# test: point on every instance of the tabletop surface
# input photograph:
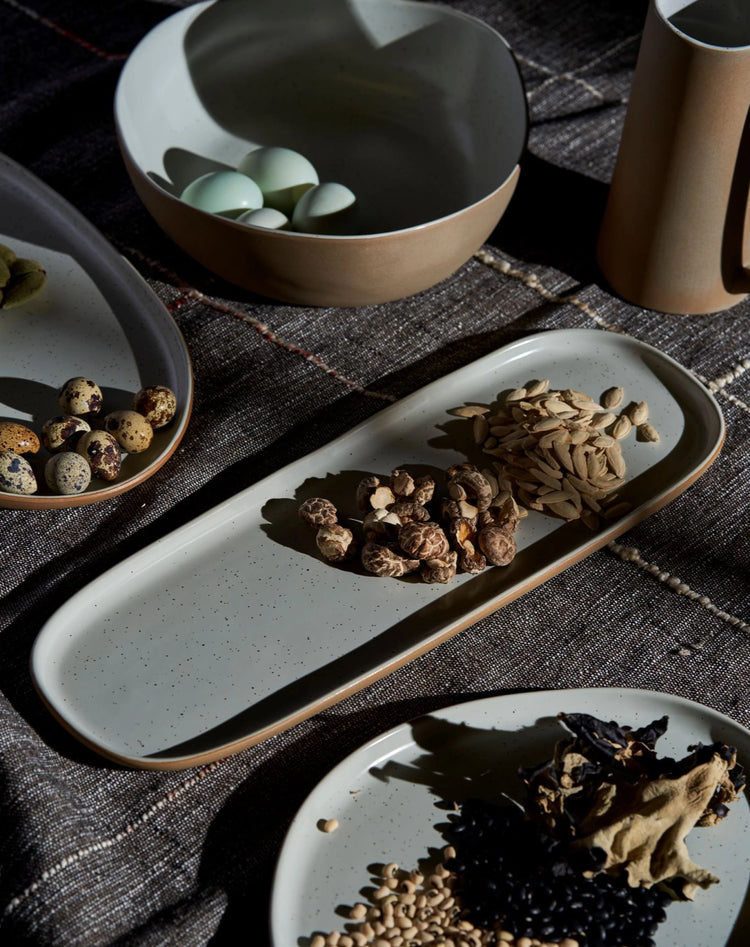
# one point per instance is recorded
(95, 853)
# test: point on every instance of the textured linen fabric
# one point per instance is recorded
(96, 854)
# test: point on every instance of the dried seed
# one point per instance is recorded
(480, 428)
(518, 394)
(616, 461)
(612, 397)
(603, 440)
(638, 413)
(567, 510)
(542, 477)
(601, 420)
(537, 387)
(547, 424)
(647, 432)
(622, 427)
(579, 462)
(470, 411)
(563, 454)
(557, 496)
(579, 436)
(329, 825)
(558, 407)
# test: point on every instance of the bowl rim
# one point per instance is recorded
(194, 10)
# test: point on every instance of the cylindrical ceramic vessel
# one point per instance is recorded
(676, 231)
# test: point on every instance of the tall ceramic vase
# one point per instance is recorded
(676, 231)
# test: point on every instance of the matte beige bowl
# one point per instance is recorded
(419, 109)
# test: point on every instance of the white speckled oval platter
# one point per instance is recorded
(233, 628)
(95, 317)
(392, 796)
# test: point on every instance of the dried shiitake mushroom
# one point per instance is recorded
(385, 560)
(423, 540)
(463, 536)
(335, 542)
(317, 511)
(441, 569)
(498, 544)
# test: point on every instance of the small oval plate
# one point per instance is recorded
(95, 317)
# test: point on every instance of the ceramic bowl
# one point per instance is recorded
(418, 109)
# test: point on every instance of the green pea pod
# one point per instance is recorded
(22, 288)
(6, 254)
(21, 266)
(4, 273)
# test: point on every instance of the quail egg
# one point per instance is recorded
(157, 403)
(16, 475)
(80, 396)
(266, 217)
(131, 430)
(328, 208)
(18, 438)
(62, 432)
(102, 452)
(223, 192)
(282, 175)
(67, 473)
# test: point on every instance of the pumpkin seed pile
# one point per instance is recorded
(20, 279)
(558, 451)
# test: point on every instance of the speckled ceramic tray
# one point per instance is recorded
(233, 628)
(95, 317)
(392, 799)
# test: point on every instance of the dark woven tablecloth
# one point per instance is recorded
(96, 854)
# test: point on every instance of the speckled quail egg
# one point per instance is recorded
(266, 217)
(102, 452)
(16, 475)
(328, 208)
(131, 430)
(67, 473)
(18, 438)
(80, 396)
(223, 192)
(157, 403)
(62, 432)
(282, 175)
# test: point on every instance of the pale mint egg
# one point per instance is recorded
(267, 217)
(223, 192)
(328, 208)
(282, 175)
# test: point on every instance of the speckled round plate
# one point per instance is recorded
(95, 317)
(392, 796)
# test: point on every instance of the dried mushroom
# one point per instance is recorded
(423, 540)
(624, 810)
(405, 527)
(463, 537)
(467, 483)
(318, 511)
(335, 542)
(498, 544)
(441, 569)
(410, 512)
(381, 524)
(402, 483)
(424, 490)
(387, 561)
(365, 488)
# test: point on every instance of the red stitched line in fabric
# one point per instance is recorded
(190, 293)
(67, 34)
